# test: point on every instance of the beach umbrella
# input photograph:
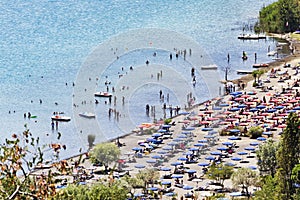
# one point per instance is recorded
(194, 148)
(189, 128)
(281, 126)
(151, 161)
(296, 108)
(166, 126)
(191, 171)
(209, 136)
(177, 176)
(233, 138)
(208, 112)
(236, 93)
(212, 132)
(173, 143)
(139, 166)
(187, 187)
(161, 131)
(156, 135)
(137, 148)
(291, 111)
(260, 107)
(217, 108)
(168, 147)
(261, 139)
(182, 158)
(199, 145)
(224, 105)
(236, 158)
(215, 153)
(186, 132)
(267, 133)
(156, 157)
(271, 110)
(254, 144)
(151, 140)
(227, 143)
(176, 140)
(170, 194)
(152, 188)
(204, 122)
(166, 182)
(252, 167)
(209, 158)
(234, 131)
(203, 164)
(251, 93)
(234, 109)
(165, 169)
(242, 106)
(202, 141)
(249, 148)
(222, 148)
(138, 195)
(182, 136)
(242, 153)
(176, 163)
(207, 129)
(279, 107)
(253, 109)
(161, 152)
(230, 164)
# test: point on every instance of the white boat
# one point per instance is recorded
(259, 65)
(87, 115)
(209, 67)
(244, 71)
(61, 118)
(103, 94)
(272, 53)
(251, 37)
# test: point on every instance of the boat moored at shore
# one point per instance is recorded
(259, 65)
(87, 115)
(61, 118)
(103, 94)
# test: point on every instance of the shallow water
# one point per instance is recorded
(44, 44)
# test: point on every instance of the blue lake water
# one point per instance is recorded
(44, 44)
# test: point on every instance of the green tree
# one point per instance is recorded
(255, 132)
(219, 173)
(244, 178)
(296, 180)
(269, 188)
(148, 176)
(288, 154)
(266, 155)
(91, 140)
(105, 153)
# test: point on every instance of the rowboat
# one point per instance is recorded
(87, 115)
(103, 94)
(60, 118)
(209, 67)
(258, 65)
(244, 71)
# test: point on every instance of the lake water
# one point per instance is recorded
(45, 44)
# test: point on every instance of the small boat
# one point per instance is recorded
(251, 37)
(87, 115)
(259, 65)
(103, 94)
(272, 53)
(244, 71)
(244, 57)
(60, 118)
(209, 67)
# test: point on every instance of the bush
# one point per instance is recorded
(255, 132)
(167, 121)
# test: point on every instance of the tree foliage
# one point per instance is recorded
(219, 172)
(266, 155)
(105, 153)
(148, 176)
(244, 178)
(280, 17)
(19, 156)
(288, 154)
(269, 188)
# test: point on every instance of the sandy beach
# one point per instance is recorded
(195, 139)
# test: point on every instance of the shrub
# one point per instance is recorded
(255, 132)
